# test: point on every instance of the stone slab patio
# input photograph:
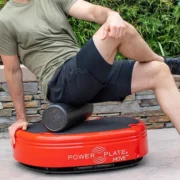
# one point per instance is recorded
(162, 162)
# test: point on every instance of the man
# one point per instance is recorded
(37, 33)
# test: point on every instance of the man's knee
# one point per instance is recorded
(160, 71)
(130, 32)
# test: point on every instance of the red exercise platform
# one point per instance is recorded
(107, 143)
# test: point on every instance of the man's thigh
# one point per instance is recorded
(80, 78)
(129, 78)
(144, 76)
(87, 77)
(119, 82)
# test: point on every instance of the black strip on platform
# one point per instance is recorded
(104, 124)
(86, 169)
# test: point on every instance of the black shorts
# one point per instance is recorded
(88, 78)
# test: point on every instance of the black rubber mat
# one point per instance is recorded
(104, 124)
(86, 169)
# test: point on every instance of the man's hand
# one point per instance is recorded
(114, 26)
(20, 124)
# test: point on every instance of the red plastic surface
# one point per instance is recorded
(53, 150)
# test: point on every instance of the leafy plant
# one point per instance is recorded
(1, 2)
(158, 22)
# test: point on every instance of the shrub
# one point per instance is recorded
(158, 21)
(1, 3)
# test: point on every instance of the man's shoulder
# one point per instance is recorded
(6, 13)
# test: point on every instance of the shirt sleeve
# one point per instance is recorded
(65, 4)
(8, 45)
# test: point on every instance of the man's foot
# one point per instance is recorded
(174, 65)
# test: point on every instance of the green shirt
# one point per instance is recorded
(40, 34)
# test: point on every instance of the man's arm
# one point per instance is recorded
(13, 74)
(90, 12)
(113, 24)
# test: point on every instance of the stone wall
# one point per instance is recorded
(142, 105)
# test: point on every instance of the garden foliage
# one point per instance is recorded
(158, 21)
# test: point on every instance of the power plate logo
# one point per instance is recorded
(99, 155)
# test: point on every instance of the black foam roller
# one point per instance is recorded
(59, 117)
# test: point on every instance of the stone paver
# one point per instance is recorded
(162, 163)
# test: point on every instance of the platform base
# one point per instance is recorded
(85, 169)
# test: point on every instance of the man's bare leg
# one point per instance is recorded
(153, 73)
(157, 76)
(131, 46)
